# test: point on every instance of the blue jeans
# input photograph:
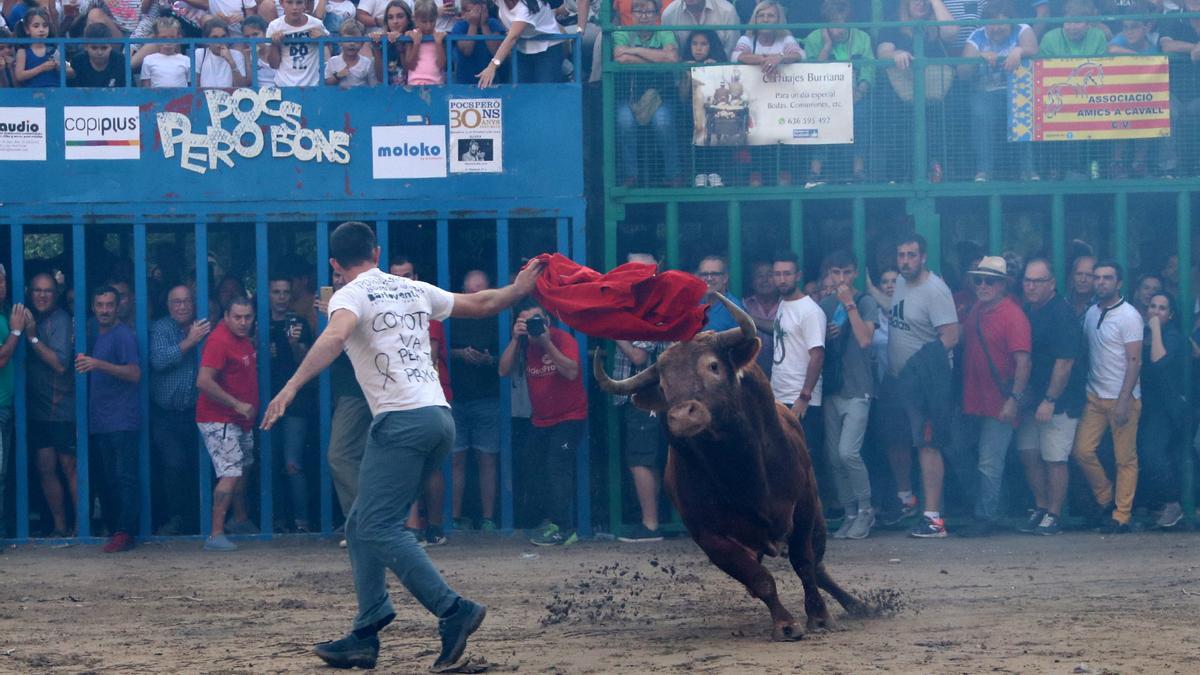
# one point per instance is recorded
(664, 135)
(294, 433)
(546, 66)
(988, 115)
(118, 450)
(994, 438)
(1160, 442)
(173, 438)
(403, 449)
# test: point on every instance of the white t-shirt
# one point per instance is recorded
(1106, 347)
(389, 347)
(230, 6)
(362, 73)
(785, 46)
(266, 74)
(298, 65)
(541, 22)
(376, 9)
(214, 71)
(163, 71)
(343, 7)
(799, 326)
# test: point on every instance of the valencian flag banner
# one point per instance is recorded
(1090, 99)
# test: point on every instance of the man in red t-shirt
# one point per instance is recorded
(996, 346)
(550, 359)
(225, 412)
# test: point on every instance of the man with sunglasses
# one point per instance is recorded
(714, 271)
(996, 346)
(1114, 335)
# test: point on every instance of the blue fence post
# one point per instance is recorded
(443, 281)
(141, 321)
(16, 238)
(263, 310)
(578, 222)
(204, 472)
(83, 509)
(504, 323)
(324, 401)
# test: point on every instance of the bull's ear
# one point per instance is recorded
(650, 399)
(744, 353)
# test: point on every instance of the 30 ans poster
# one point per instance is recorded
(476, 135)
(798, 104)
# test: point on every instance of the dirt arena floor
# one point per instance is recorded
(1079, 603)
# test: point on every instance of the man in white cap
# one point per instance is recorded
(996, 346)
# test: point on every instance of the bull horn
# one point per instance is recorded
(626, 387)
(745, 331)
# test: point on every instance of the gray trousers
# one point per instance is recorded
(403, 449)
(845, 430)
(347, 439)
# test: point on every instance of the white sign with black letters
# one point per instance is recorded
(102, 132)
(23, 134)
(476, 135)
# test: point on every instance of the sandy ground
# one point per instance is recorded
(1076, 603)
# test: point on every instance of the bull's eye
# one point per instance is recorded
(714, 367)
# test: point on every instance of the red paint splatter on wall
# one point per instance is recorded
(346, 125)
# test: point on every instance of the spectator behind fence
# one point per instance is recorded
(1077, 39)
(220, 65)
(1002, 47)
(11, 328)
(98, 65)
(8, 61)
(1114, 333)
(174, 363)
(770, 47)
(334, 14)
(290, 340)
(114, 416)
(851, 317)
(641, 433)
(474, 348)
(50, 385)
(1083, 284)
(294, 33)
(351, 68)
(838, 43)
(761, 306)
(882, 294)
(255, 27)
(924, 330)
(996, 365)
(161, 64)
(225, 414)
(1163, 428)
(541, 60)
(714, 271)
(425, 59)
(397, 22)
(232, 12)
(799, 348)
(37, 63)
(550, 360)
(125, 18)
(645, 102)
(702, 48)
(1053, 400)
(703, 13)
(1181, 38)
(473, 55)
(1146, 287)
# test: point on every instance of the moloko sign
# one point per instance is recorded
(237, 121)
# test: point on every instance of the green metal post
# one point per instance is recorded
(1058, 228)
(735, 248)
(995, 225)
(920, 148)
(859, 239)
(673, 235)
(611, 419)
(929, 225)
(1183, 220)
(1121, 234)
(796, 228)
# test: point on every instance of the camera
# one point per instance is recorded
(293, 321)
(535, 326)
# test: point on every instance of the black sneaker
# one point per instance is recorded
(434, 536)
(1049, 525)
(641, 533)
(349, 652)
(1114, 526)
(897, 511)
(929, 528)
(1035, 518)
(455, 629)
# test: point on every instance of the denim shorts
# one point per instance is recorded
(477, 425)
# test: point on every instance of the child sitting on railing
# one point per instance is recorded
(255, 27)
(426, 60)
(351, 68)
(397, 21)
(217, 65)
(298, 67)
(37, 63)
(164, 67)
(98, 65)
(473, 56)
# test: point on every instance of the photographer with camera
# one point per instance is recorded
(290, 339)
(549, 358)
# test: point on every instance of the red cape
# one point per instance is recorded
(632, 302)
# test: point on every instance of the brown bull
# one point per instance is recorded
(738, 468)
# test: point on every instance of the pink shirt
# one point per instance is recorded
(426, 70)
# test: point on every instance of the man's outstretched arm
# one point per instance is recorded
(495, 300)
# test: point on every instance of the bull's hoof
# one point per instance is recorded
(817, 624)
(787, 633)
